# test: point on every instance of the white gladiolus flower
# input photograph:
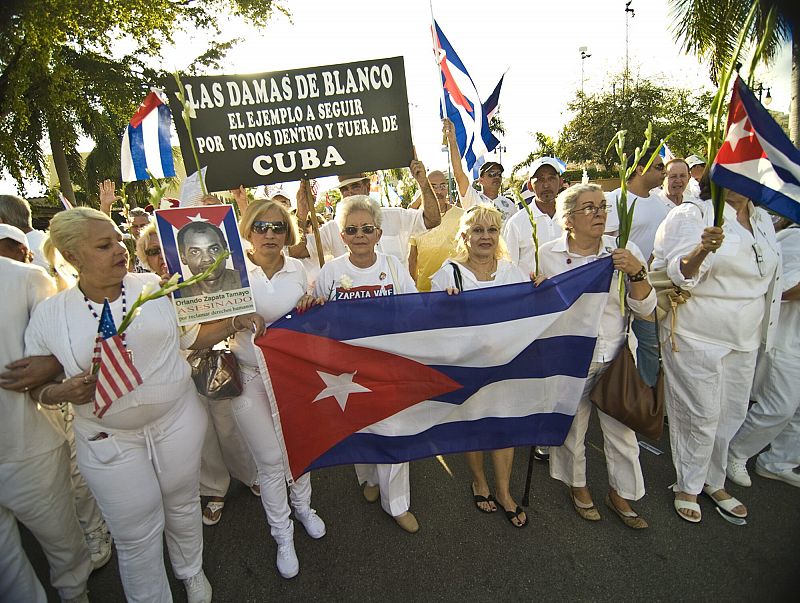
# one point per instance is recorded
(346, 282)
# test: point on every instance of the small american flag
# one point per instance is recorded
(116, 375)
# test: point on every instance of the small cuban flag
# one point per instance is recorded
(116, 375)
(146, 142)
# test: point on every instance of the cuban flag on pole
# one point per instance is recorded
(398, 378)
(462, 104)
(666, 153)
(492, 104)
(146, 142)
(757, 159)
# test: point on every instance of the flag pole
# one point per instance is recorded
(442, 105)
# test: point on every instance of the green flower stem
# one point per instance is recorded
(171, 285)
(534, 231)
(187, 120)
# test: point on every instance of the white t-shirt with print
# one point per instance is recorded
(473, 197)
(340, 279)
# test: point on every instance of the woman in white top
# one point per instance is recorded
(481, 261)
(279, 285)
(583, 209)
(710, 344)
(364, 273)
(142, 458)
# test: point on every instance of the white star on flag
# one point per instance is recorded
(198, 218)
(340, 387)
(736, 132)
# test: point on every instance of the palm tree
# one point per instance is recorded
(709, 29)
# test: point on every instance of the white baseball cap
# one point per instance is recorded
(551, 161)
(12, 232)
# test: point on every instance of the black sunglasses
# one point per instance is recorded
(353, 230)
(153, 251)
(261, 227)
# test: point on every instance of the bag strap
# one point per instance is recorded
(459, 280)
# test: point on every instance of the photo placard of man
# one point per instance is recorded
(199, 246)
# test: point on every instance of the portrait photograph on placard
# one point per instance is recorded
(281, 126)
(193, 238)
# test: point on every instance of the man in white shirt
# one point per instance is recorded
(34, 463)
(545, 182)
(17, 212)
(648, 213)
(697, 165)
(399, 223)
(491, 179)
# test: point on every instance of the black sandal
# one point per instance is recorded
(477, 499)
(511, 515)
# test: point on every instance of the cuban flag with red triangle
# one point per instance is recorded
(757, 159)
(398, 378)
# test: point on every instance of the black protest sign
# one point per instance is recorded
(302, 123)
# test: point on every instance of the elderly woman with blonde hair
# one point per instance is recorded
(141, 458)
(481, 261)
(582, 209)
(366, 273)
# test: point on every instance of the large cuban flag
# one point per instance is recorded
(397, 378)
(757, 159)
(146, 142)
(462, 104)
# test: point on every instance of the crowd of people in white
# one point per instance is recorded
(160, 461)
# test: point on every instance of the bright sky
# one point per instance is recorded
(537, 42)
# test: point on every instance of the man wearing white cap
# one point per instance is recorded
(17, 212)
(491, 179)
(399, 223)
(545, 182)
(697, 165)
(34, 456)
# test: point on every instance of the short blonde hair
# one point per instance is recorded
(68, 231)
(482, 213)
(141, 242)
(257, 209)
(567, 200)
(358, 203)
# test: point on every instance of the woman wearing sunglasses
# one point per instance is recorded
(279, 285)
(365, 273)
(481, 261)
(582, 209)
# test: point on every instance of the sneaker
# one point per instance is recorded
(312, 522)
(198, 589)
(541, 453)
(288, 565)
(99, 543)
(737, 473)
(84, 598)
(787, 477)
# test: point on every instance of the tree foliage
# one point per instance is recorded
(61, 79)
(597, 117)
(546, 148)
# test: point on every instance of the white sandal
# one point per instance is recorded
(215, 508)
(727, 505)
(687, 505)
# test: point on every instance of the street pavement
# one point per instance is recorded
(462, 555)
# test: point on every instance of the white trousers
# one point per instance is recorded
(620, 446)
(37, 492)
(225, 453)
(707, 389)
(394, 483)
(254, 417)
(86, 507)
(775, 417)
(147, 485)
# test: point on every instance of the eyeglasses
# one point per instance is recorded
(590, 210)
(493, 173)
(261, 227)
(443, 185)
(153, 251)
(353, 230)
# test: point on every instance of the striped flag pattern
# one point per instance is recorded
(146, 143)
(116, 375)
(64, 201)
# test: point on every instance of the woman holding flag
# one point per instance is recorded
(365, 273)
(140, 450)
(582, 210)
(710, 342)
(481, 261)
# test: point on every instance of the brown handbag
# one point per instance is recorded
(215, 373)
(622, 393)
